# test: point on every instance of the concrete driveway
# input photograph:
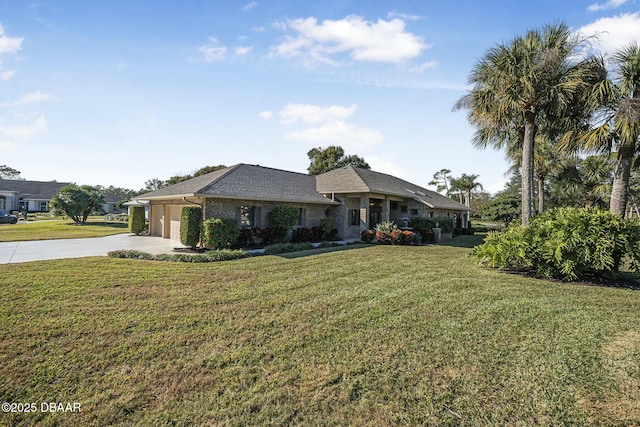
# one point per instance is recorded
(12, 252)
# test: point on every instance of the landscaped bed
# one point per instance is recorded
(384, 335)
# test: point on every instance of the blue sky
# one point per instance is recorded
(118, 92)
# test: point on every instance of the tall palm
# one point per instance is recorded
(618, 124)
(538, 76)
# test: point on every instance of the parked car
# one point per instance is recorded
(7, 218)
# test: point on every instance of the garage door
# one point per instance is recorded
(175, 213)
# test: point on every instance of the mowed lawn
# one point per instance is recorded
(374, 336)
(59, 229)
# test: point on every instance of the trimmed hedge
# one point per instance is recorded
(137, 223)
(209, 256)
(220, 233)
(283, 218)
(191, 226)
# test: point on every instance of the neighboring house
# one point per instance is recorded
(30, 196)
(356, 199)
(34, 196)
(110, 204)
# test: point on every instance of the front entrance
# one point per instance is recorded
(375, 212)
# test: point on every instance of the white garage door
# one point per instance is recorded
(175, 212)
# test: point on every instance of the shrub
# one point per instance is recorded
(283, 218)
(565, 243)
(328, 232)
(280, 248)
(209, 256)
(406, 237)
(302, 235)
(383, 232)
(367, 236)
(445, 223)
(137, 223)
(418, 223)
(219, 233)
(191, 226)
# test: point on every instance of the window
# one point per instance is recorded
(404, 208)
(302, 217)
(414, 212)
(354, 216)
(44, 206)
(247, 216)
(394, 206)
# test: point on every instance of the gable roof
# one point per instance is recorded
(250, 182)
(32, 190)
(350, 179)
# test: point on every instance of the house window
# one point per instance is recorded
(24, 205)
(302, 217)
(414, 212)
(404, 209)
(354, 216)
(44, 206)
(394, 206)
(247, 216)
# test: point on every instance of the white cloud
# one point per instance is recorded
(381, 41)
(614, 32)
(6, 75)
(9, 44)
(211, 52)
(249, 6)
(265, 115)
(611, 4)
(403, 16)
(424, 66)
(292, 113)
(339, 132)
(32, 98)
(243, 50)
(25, 131)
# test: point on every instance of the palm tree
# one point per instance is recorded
(517, 85)
(618, 122)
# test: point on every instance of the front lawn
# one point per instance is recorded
(380, 335)
(59, 229)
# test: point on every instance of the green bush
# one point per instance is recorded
(219, 233)
(445, 223)
(283, 218)
(281, 248)
(191, 226)
(565, 243)
(209, 256)
(137, 223)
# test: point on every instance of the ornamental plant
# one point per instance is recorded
(136, 220)
(283, 218)
(383, 232)
(565, 243)
(190, 226)
(219, 233)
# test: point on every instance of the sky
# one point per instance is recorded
(118, 92)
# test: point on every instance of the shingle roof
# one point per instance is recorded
(33, 190)
(350, 179)
(249, 182)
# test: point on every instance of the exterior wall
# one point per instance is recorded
(229, 208)
(8, 201)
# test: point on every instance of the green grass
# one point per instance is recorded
(59, 229)
(377, 335)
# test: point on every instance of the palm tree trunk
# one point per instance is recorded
(527, 167)
(540, 194)
(621, 174)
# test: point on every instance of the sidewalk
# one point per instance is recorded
(37, 250)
